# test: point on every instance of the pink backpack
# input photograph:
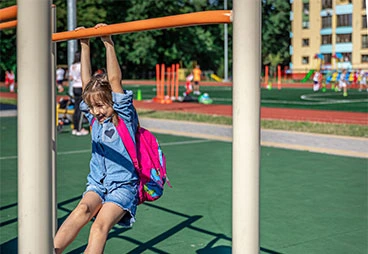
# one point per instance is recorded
(148, 159)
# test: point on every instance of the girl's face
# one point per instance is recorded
(100, 110)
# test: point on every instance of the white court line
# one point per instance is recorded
(186, 142)
(89, 150)
(8, 158)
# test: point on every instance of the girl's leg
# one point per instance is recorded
(81, 215)
(108, 216)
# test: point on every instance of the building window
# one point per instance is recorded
(327, 58)
(343, 38)
(326, 4)
(364, 21)
(326, 39)
(344, 20)
(327, 22)
(364, 58)
(305, 15)
(346, 57)
(364, 4)
(365, 41)
(305, 42)
(305, 60)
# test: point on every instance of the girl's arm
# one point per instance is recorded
(112, 65)
(86, 70)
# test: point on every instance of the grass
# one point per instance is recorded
(8, 101)
(352, 130)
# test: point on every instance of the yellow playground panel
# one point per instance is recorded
(63, 111)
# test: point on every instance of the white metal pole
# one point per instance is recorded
(72, 24)
(53, 121)
(34, 130)
(72, 44)
(246, 125)
(226, 58)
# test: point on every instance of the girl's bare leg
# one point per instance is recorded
(108, 216)
(81, 215)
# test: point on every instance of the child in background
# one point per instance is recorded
(197, 73)
(188, 85)
(334, 80)
(343, 83)
(10, 80)
(362, 80)
(60, 73)
(112, 183)
(317, 79)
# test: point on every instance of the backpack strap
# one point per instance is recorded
(128, 141)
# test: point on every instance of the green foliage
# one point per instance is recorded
(276, 27)
(273, 61)
(139, 52)
(8, 49)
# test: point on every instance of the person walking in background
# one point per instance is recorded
(334, 80)
(10, 80)
(197, 73)
(362, 80)
(317, 79)
(60, 74)
(75, 79)
(111, 194)
(343, 83)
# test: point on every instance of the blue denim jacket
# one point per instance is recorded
(110, 165)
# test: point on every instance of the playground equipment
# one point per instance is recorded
(6, 14)
(267, 84)
(168, 78)
(34, 200)
(307, 76)
(215, 77)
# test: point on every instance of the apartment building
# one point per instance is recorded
(328, 34)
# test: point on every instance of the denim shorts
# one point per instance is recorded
(125, 197)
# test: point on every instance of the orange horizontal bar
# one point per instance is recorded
(9, 24)
(190, 19)
(8, 13)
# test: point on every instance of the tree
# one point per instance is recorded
(275, 31)
(273, 61)
(139, 52)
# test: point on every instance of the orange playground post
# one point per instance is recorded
(162, 87)
(168, 82)
(266, 76)
(172, 82)
(157, 78)
(177, 81)
(278, 77)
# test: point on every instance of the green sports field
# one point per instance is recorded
(284, 98)
(310, 202)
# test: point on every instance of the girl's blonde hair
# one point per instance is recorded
(99, 89)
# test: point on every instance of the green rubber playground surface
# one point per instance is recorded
(310, 202)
